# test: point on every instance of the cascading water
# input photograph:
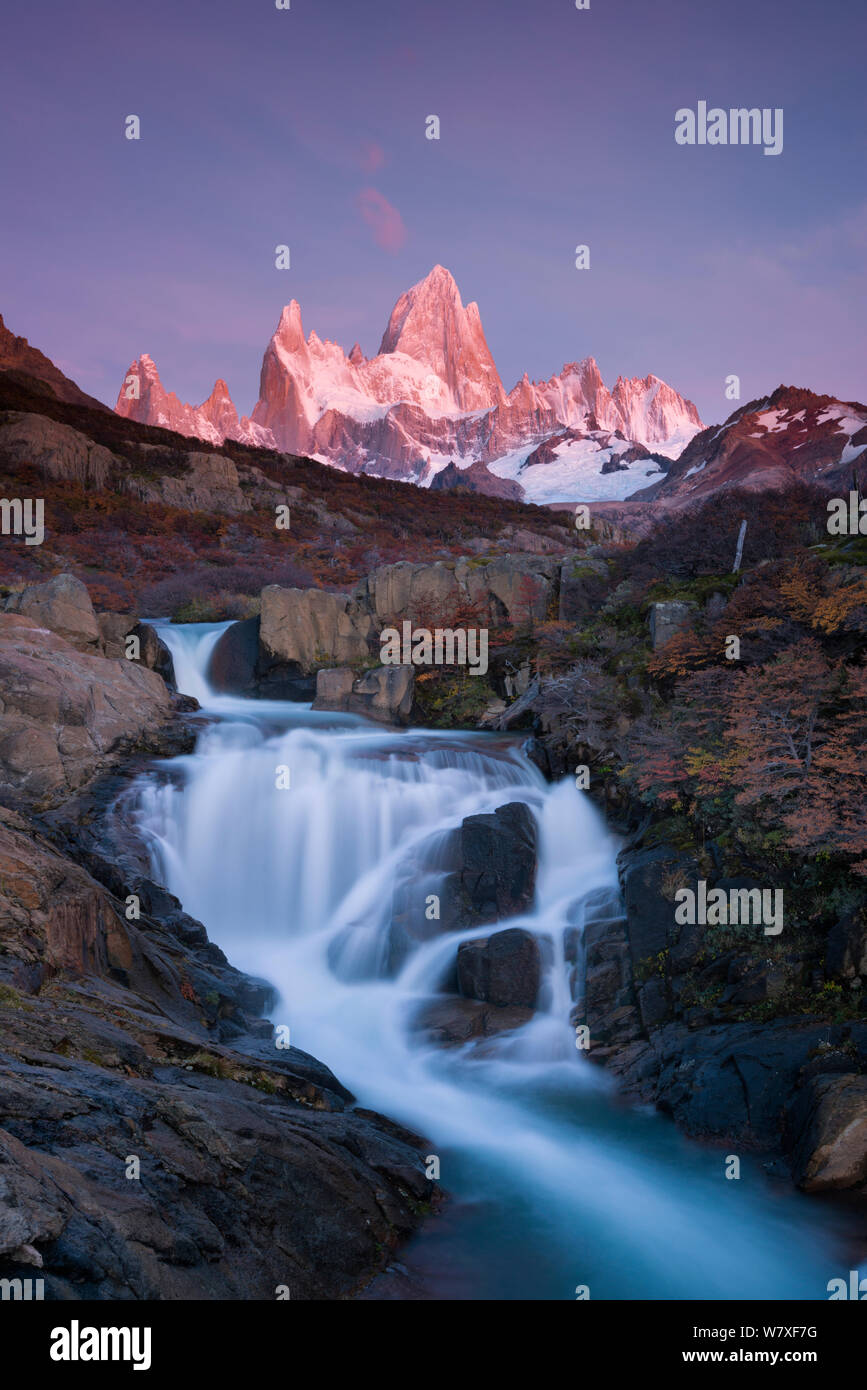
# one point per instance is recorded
(553, 1183)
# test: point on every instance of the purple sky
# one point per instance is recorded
(306, 127)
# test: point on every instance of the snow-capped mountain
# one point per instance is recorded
(431, 397)
(793, 435)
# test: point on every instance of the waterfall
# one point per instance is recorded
(191, 646)
(554, 1184)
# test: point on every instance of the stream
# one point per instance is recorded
(553, 1182)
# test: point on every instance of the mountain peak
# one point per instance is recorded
(430, 324)
(440, 278)
(17, 355)
(771, 442)
(290, 330)
(431, 393)
(220, 391)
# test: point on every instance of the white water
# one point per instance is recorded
(553, 1183)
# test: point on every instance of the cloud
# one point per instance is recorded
(382, 218)
(372, 157)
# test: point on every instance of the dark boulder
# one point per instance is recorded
(494, 874)
(232, 668)
(653, 1002)
(609, 1007)
(240, 665)
(503, 969)
(649, 879)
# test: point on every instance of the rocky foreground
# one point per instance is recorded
(154, 1140)
(156, 1143)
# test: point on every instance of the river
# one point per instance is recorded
(554, 1184)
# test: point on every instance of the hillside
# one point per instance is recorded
(154, 521)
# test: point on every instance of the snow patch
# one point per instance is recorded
(574, 475)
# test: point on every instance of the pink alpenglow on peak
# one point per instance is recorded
(430, 325)
(143, 397)
(431, 397)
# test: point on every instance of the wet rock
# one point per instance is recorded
(653, 1002)
(334, 688)
(232, 668)
(649, 879)
(502, 969)
(732, 1082)
(385, 694)
(240, 665)
(155, 655)
(494, 873)
(609, 1003)
(452, 1021)
(227, 1163)
(829, 1124)
(116, 628)
(536, 751)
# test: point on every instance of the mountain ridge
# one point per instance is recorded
(18, 356)
(432, 396)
